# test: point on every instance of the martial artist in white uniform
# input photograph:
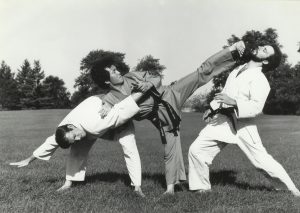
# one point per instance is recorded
(247, 92)
(86, 117)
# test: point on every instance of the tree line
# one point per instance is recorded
(30, 89)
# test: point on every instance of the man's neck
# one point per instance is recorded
(253, 64)
(118, 87)
(249, 65)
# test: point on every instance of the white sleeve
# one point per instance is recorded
(118, 115)
(259, 91)
(46, 150)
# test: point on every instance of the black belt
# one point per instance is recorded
(229, 111)
(175, 119)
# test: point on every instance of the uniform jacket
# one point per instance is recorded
(250, 89)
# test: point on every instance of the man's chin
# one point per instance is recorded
(256, 59)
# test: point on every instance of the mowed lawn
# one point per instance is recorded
(236, 185)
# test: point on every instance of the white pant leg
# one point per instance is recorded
(132, 158)
(261, 159)
(201, 154)
(77, 160)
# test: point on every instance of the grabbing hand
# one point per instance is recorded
(223, 98)
(239, 47)
(104, 110)
(141, 86)
(207, 115)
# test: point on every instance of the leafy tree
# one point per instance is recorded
(84, 84)
(151, 64)
(196, 102)
(9, 96)
(284, 97)
(79, 95)
(54, 93)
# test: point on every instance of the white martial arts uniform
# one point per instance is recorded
(86, 117)
(250, 89)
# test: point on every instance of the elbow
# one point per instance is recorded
(251, 114)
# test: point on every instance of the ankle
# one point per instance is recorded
(68, 183)
(137, 188)
(170, 188)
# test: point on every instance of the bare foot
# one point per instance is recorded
(138, 191)
(169, 192)
(296, 193)
(201, 191)
(67, 185)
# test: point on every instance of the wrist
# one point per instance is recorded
(234, 103)
(32, 158)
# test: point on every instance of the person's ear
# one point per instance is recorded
(265, 62)
(70, 126)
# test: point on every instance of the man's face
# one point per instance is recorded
(75, 134)
(262, 53)
(115, 75)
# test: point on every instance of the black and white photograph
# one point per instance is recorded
(130, 106)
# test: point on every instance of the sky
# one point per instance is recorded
(181, 33)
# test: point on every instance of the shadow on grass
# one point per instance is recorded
(228, 177)
(112, 177)
(222, 177)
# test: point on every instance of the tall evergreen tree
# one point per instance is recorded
(9, 96)
(37, 75)
(29, 83)
(25, 85)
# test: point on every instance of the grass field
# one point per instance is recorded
(237, 186)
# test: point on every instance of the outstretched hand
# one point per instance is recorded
(22, 163)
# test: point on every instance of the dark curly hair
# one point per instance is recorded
(274, 60)
(98, 73)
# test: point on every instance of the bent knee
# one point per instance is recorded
(200, 156)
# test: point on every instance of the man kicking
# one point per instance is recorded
(231, 119)
(163, 106)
